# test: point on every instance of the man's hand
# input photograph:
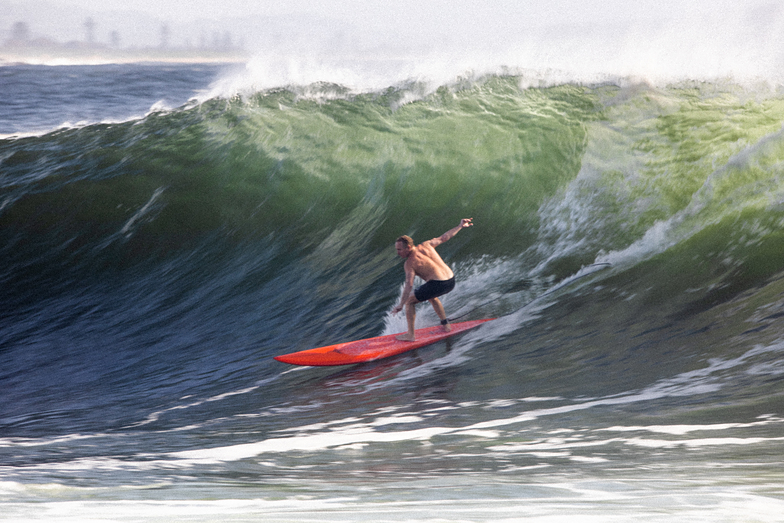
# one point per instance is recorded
(466, 222)
(397, 309)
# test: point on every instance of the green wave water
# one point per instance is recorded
(565, 174)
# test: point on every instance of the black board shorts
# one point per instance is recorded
(434, 289)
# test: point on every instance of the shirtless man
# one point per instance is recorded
(422, 260)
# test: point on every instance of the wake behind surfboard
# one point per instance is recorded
(373, 348)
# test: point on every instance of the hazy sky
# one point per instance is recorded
(416, 15)
(407, 11)
(620, 36)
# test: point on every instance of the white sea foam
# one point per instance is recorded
(544, 43)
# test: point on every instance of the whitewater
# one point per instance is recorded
(165, 230)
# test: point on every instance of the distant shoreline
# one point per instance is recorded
(90, 56)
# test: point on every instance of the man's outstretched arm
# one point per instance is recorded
(448, 235)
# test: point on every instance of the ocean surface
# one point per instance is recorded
(161, 241)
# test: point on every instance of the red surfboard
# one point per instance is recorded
(373, 348)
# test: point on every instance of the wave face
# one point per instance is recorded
(628, 239)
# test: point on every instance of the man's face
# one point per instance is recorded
(402, 249)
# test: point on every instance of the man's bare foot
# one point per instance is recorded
(406, 337)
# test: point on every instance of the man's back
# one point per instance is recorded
(427, 264)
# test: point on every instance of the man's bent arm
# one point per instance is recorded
(407, 288)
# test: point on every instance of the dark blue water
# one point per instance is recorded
(41, 98)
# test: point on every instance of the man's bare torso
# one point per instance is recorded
(427, 264)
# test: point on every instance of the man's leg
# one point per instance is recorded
(410, 319)
(439, 308)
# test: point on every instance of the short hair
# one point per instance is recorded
(406, 239)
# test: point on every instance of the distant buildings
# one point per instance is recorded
(23, 46)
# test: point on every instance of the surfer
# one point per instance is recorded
(422, 260)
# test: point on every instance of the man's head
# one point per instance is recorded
(403, 246)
